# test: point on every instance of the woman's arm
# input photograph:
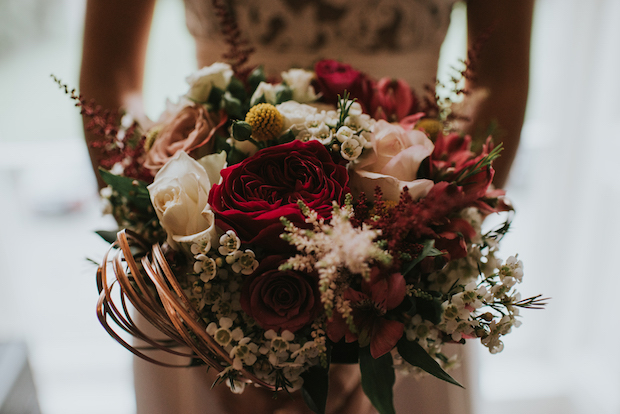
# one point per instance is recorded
(501, 71)
(114, 52)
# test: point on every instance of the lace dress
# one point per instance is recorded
(396, 38)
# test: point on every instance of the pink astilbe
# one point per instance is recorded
(113, 146)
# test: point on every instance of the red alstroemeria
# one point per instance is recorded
(452, 153)
(453, 237)
(378, 296)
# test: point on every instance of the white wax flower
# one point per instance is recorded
(203, 80)
(179, 195)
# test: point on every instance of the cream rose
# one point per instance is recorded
(264, 90)
(299, 80)
(295, 114)
(179, 195)
(203, 80)
(392, 163)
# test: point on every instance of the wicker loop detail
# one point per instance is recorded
(154, 291)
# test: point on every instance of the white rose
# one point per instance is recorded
(299, 81)
(203, 80)
(295, 114)
(265, 89)
(393, 163)
(179, 195)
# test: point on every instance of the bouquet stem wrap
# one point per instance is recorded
(167, 308)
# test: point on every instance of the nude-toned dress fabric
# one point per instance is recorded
(396, 38)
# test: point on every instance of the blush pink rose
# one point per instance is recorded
(393, 163)
(193, 127)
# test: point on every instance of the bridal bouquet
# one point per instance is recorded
(276, 226)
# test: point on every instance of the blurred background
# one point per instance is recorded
(561, 360)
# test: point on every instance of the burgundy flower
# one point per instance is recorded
(333, 78)
(392, 99)
(280, 300)
(378, 296)
(255, 193)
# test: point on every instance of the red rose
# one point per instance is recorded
(280, 300)
(255, 193)
(333, 78)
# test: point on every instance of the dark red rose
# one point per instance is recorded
(333, 78)
(255, 193)
(280, 300)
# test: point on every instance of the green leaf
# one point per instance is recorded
(134, 190)
(428, 308)
(289, 136)
(232, 106)
(256, 77)
(236, 89)
(107, 235)
(283, 94)
(221, 144)
(378, 380)
(315, 387)
(429, 250)
(241, 130)
(413, 353)
(215, 98)
(235, 156)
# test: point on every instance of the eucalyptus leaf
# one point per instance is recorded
(315, 387)
(378, 380)
(134, 190)
(413, 353)
(429, 250)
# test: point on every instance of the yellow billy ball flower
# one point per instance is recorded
(151, 136)
(266, 121)
(430, 126)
